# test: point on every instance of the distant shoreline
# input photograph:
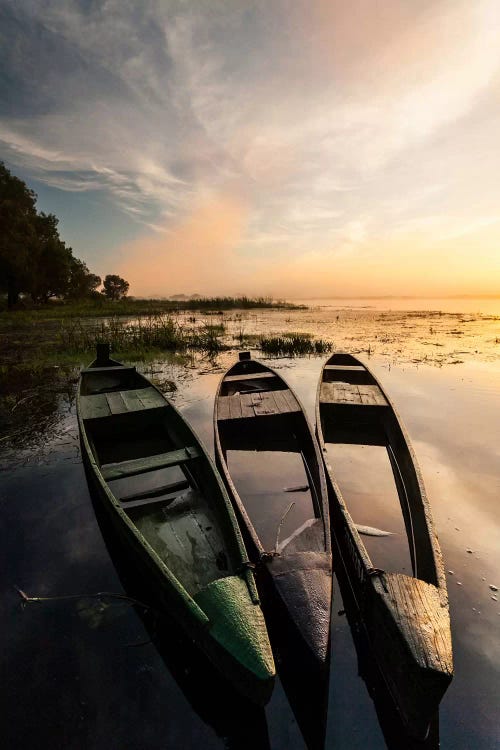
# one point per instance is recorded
(398, 296)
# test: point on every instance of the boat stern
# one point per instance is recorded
(409, 623)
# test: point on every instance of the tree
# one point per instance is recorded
(115, 287)
(82, 283)
(33, 258)
(17, 234)
(51, 263)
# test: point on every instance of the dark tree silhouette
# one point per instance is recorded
(51, 261)
(33, 258)
(115, 287)
(17, 234)
(81, 283)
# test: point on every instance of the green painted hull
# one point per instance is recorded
(223, 616)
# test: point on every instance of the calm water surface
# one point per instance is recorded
(80, 674)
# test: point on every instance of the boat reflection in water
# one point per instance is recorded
(241, 723)
(393, 727)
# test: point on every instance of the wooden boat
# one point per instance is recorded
(406, 617)
(168, 506)
(263, 435)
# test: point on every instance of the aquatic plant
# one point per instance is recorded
(153, 332)
(293, 344)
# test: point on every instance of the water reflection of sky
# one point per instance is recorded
(74, 680)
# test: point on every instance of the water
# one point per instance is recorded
(75, 675)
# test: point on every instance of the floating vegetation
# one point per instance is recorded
(294, 344)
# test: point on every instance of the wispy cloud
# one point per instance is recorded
(340, 124)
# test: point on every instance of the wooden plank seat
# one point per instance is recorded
(256, 404)
(355, 374)
(249, 376)
(351, 394)
(118, 369)
(158, 495)
(344, 368)
(122, 469)
(101, 405)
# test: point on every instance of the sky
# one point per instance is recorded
(292, 148)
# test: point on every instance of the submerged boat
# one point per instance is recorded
(405, 617)
(170, 510)
(271, 464)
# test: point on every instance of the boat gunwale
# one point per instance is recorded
(322, 499)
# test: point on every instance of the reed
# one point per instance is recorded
(143, 334)
(96, 308)
(294, 344)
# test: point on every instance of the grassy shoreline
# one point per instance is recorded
(131, 307)
(65, 334)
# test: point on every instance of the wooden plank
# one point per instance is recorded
(153, 501)
(349, 394)
(223, 408)
(249, 376)
(235, 407)
(247, 409)
(94, 407)
(153, 496)
(121, 369)
(265, 404)
(116, 403)
(179, 484)
(340, 393)
(422, 620)
(132, 400)
(281, 401)
(345, 368)
(150, 398)
(292, 402)
(147, 463)
(258, 404)
(371, 395)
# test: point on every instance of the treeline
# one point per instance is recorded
(231, 303)
(34, 260)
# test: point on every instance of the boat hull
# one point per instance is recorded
(182, 536)
(161, 596)
(405, 619)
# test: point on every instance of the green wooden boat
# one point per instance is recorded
(167, 504)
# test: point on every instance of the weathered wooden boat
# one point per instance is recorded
(406, 617)
(169, 508)
(231, 715)
(268, 455)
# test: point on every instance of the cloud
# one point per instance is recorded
(340, 124)
(196, 253)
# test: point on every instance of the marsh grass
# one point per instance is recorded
(294, 344)
(140, 336)
(59, 309)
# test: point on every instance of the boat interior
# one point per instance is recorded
(270, 457)
(158, 473)
(374, 468)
